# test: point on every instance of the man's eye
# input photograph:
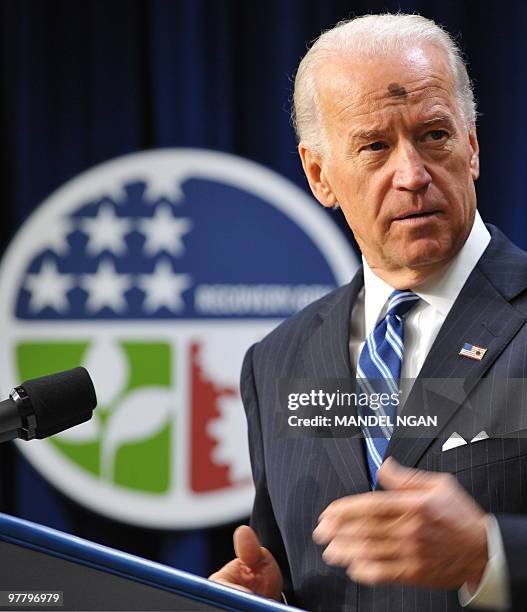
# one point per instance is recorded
(436, 135)
(376, 146)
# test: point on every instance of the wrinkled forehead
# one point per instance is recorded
(417, 78)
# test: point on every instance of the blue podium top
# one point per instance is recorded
(71, 548)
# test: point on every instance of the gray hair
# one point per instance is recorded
(367, 35)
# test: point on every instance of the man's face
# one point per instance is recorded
(399, 159)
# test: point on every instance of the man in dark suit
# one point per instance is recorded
(385, 116)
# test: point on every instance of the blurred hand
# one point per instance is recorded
(423, 529)
(254, 570)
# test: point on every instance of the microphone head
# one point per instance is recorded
(61, 400)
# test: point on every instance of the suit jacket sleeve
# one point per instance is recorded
(513, 530)
(262, 518)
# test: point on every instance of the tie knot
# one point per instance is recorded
(400, 302)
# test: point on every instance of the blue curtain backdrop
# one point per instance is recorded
(87, 81)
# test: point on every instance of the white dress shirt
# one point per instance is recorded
(421, 326)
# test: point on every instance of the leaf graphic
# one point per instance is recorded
(141, 415)
(108, 366)
(83, 433)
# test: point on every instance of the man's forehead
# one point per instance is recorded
(353, 87)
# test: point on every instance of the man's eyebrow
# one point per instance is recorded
(378, 133)
(446, 119)
(367, 135)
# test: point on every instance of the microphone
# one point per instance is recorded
(44, 406)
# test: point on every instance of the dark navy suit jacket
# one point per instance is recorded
(296, 479)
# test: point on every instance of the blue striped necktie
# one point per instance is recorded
(379, 371)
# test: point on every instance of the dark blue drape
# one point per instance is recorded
(86, 81)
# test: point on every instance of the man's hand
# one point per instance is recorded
(424, 529)
(254, 570)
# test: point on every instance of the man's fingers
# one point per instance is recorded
(343, 551)
(247, 547)
(254, 569)
(377, 504)
(375, 528)
(233, 571)
(234, 574)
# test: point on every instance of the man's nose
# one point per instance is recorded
(410, 171)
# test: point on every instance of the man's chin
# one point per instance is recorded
(425, 254)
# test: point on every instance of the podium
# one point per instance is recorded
(57, 571)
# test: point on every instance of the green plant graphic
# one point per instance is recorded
(128, 440)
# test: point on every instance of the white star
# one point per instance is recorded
(164, 232)
(163, 185)
(164, 288)
(106, 231)
(106, 288)
(49, 288)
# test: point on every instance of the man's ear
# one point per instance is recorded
(474, 155)
(318, 181)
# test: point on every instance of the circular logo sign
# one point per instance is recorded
(156, 271)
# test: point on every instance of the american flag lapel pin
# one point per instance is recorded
(472, 351)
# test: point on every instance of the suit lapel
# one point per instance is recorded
(325, 355)
(480, 316)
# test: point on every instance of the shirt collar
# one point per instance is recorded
(441, 291)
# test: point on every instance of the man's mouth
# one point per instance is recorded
(412, 218)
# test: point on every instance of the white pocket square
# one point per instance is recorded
(454, 441)
(483, 435)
